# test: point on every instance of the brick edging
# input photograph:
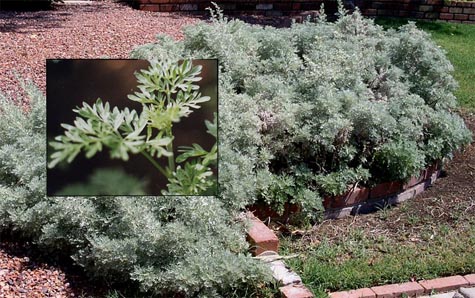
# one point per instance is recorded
(410, 289)
(372, 205)
(265, 246)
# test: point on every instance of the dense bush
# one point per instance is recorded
(308, 110)
(166, 246)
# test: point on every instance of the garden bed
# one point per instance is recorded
(427, 237)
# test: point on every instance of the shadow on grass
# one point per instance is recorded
(433, 27)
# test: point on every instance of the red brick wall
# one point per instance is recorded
(267, 7)
(458, 12)
(461, 12)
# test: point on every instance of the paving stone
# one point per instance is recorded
(282, 274)
(444, 295)
(443, 284)
(467, 292)
(470, 278)
(452, 294)
(295, 291)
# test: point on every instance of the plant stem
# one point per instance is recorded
(171, 159)
(155, 164)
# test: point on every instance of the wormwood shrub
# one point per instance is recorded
(165, 246)
(307, 111)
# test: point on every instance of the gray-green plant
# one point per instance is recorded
(162, 246)
(310, 110)
(168, 93)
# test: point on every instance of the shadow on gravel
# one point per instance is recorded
(25, 266)
(26, 21)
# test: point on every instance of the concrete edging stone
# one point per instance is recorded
(266, 245)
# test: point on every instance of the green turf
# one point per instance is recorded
(458, 40)
(429, 237)
(363, 260)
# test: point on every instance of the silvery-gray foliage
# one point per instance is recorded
(167, 246)
(306, 110)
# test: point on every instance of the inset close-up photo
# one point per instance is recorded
(131, 127)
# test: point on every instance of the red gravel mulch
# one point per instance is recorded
(20, 277)
(25, 273)
(100, 30)
(103, 29)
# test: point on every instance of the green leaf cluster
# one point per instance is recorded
(100, 126)
(168, 93)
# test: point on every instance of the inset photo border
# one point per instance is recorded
(132, 127)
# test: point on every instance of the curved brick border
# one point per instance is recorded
(360, 200)
(410, 289)
(266, 245)
(365, 200)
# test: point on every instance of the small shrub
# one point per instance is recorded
(165, 246)
(312, 109)
(400, 160)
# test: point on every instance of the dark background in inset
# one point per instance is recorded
(69, 83)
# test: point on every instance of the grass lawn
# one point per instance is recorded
(421, 239)
(430, 236)
(458, 40)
